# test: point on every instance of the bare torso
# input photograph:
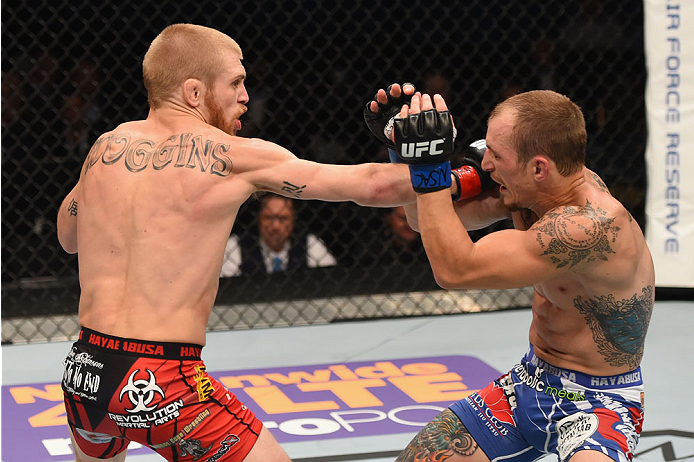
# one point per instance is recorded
(594, 318)
(157, 205)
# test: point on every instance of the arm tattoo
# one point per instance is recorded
(441, 439)
(72, 208)
(293, 189)
(571, 235)
(619, 326)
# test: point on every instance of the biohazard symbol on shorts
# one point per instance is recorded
(141, 392)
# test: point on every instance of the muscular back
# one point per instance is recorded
(155, 209)
(593, 317)
(155, 203)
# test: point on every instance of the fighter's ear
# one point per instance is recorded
(541, 165)
(192, 92)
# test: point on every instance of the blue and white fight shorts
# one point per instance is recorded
(538, 409)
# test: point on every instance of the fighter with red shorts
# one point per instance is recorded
(149, 217)
(119, 390)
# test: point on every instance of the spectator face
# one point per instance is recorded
(276, 222)
(398, 223)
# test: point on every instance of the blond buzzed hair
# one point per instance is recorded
(549, 123)
(181, 52)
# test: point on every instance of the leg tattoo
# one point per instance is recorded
(441, 439)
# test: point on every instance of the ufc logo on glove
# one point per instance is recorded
(424, 141)
(432, 148)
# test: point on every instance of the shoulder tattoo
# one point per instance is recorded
(619, 326)
(442, 438)
(183, 150)
(571, 235)
(599, 183)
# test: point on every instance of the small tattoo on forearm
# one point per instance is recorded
(72, 208)
(293, 189)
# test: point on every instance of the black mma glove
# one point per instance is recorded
(381, 123)
(424, 141)
(470, 177)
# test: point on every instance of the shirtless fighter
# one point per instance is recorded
(149, 218)
(577, 392)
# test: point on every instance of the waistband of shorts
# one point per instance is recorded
(144, 348)
(600, 382)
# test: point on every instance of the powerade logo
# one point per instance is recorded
(411, 150)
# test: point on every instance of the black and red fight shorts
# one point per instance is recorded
(158, 394)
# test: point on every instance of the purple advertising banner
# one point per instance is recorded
(302, 403)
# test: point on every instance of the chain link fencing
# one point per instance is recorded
(71, 71)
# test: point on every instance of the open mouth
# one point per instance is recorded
(238, 119)
(501, 186)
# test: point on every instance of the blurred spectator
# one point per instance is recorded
(594, 28)
(12, 108)
(435, 82)
(509, 89)
(259, 92)
(76, 130)
(398, 244)
(12, 104)
(544, 65)
(330, 134)
(42, 74)
(86, 80)
(275, 247)
(28, 149)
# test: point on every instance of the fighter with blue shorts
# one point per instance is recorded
(539, 409)
(578, 392)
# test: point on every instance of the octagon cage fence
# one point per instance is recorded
(72, 70)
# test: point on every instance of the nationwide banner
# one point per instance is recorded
(669, 35)
(301, 403)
